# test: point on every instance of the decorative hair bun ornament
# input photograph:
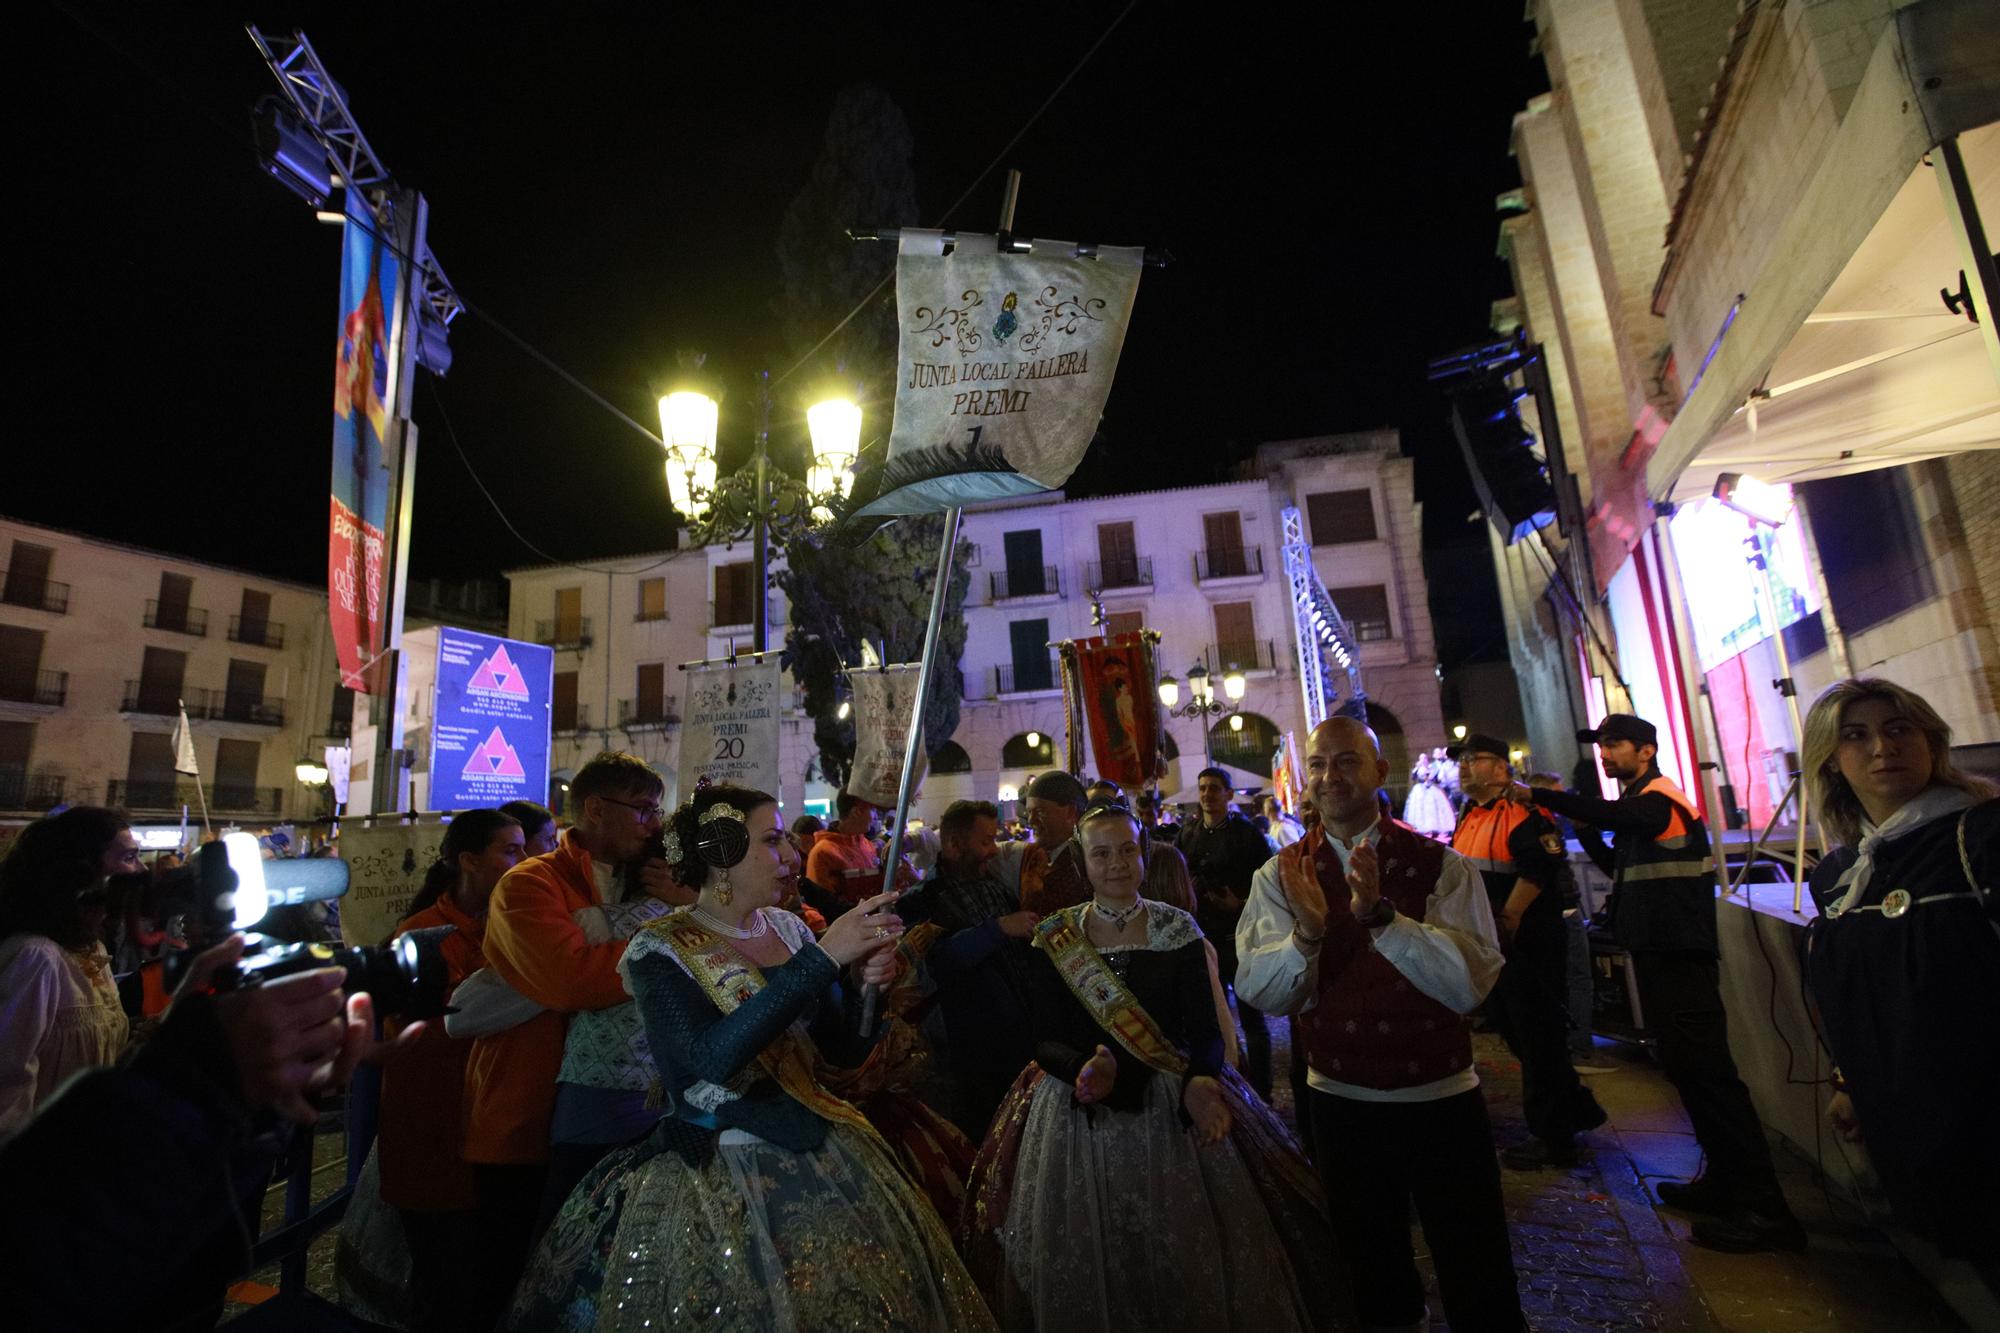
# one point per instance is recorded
(724, 837)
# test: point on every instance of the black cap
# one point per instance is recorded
(1480, 742)
(1621, 727)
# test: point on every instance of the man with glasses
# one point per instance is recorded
(533, 941)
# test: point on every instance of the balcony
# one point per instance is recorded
(564, 634)
(262, 633)
(1023, 585)
(21, 790)
(41, 594)
(575, 718)
(731, 617)
(1132, 571)
(1027, 678)
(173, 795)
(646, 715)
(48, 688)
(1370, 631)
(156, 700)
(261, 712)
(1230, 562)
(180, 619)
(1252, 657)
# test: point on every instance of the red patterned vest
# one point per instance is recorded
(1370, 1026)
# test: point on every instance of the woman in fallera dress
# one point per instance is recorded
(761, 1200)
(1131, 1179)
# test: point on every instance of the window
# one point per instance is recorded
(1339, 517)
(162, 680)
(236, 774)
(1365, 608)
(20, 662)
(562, 702)
(1118, 554)
(735, 594)
(340, 718)
(149, 770)
(1124, 622)
(1031, 670)
(569, 615)
(17, 739)
(652, 599)
(1235, 637)
(176, 590)
(253, 622)
(243, 696)
(1222, 540)
(650, 703)
(28, 574)
(1025, 574)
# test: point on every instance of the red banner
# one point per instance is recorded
(1113, 681)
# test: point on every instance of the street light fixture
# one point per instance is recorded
(750, 500)
(310, 773)
(1202, 703)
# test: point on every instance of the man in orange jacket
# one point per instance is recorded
(534, 943)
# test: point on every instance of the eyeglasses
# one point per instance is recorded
(650, 810)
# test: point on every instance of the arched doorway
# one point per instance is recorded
(1017, 753)
(1395, 752)
(1249, 746)
(951, 758)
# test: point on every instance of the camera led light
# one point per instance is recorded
(246, 858)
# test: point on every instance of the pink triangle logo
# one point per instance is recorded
(494, 758)
(498, 675)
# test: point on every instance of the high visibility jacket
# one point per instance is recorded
(1482, 838)
(1665, 886)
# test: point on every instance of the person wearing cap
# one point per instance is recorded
(1519, 854)
(1663, 914)
(1052, 875)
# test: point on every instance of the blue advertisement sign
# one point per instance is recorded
(490, 733)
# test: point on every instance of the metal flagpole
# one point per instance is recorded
(932, 632)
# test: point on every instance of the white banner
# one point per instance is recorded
(1004, 365)
(729, 727)
(883, 699)
(386, 865)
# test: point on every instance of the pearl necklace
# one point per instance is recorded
(721, 927)
(1117, 918)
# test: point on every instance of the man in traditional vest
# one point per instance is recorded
(1519, 854)
(1382, 941)
(1663, 914)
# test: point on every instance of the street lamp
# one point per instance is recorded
(750, 500)
(1202, 703)
(310, 773)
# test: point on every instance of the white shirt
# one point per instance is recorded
(1452, 955)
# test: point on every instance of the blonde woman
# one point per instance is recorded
(1904, 961)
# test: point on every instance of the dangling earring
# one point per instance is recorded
(725, 891)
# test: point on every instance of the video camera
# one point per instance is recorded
(234, 889)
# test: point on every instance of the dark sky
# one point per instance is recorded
(610, 185)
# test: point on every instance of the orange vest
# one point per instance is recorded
(1481, 838)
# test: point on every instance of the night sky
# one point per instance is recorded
(610, 187)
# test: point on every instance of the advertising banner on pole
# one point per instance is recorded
(1110, 680)
(729, 727)
(884, 702)
(365, 452)
(386, 864)
(490, 728)
(1004, 364)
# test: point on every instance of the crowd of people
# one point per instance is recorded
(705, 1068)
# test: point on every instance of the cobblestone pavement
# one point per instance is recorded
(1595, 1251)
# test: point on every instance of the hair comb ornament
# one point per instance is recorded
(670, 846)
(722, 810)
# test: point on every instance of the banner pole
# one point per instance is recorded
(933, 631)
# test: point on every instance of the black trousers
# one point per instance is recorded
(443, 1261)
(1681, 995)
(1256, 1036)
(504, 1232)
(1529, 1006)
(1376, 1159)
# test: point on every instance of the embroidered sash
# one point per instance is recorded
(728, 980)
(1103, 995)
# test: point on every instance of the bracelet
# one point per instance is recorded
(1304, 938)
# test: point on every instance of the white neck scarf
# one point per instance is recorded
(1933, 802)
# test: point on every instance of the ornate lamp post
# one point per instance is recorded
(755, 498)
(1202, 703)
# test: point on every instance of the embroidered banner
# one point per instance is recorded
(1112, 681)
(1004, 366)
(729, 726)
(884, 701)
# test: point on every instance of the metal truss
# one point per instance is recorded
(321, 106)
(1324, 644)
